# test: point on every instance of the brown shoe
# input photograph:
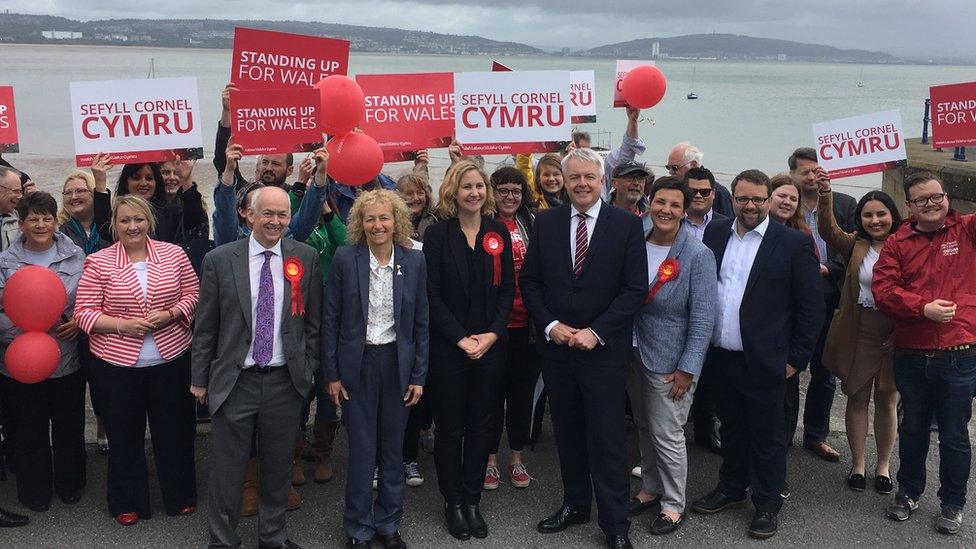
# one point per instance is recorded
(297, 475)
(324, 432)
(249, 498)
(294, 499)
(823, 450)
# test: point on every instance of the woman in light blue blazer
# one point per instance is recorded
(671, 336)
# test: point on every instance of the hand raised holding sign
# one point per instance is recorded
(101, 164)
(455, 150)
(321, 158)
(225, 104)
(234, 153)
(305, 169)
(823, 180)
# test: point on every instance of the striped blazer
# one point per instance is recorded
(109, 286)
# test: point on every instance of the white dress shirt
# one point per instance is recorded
(380, 326)
(591, 216)
(697, 231)
(255, 254)
(740, 253)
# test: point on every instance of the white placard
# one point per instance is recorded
(860, 145)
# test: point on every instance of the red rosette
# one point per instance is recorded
(494, 246)
(294, 270)
(666, 272)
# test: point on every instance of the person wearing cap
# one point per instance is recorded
(628, 190)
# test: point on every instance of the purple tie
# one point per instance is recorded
(264, 315)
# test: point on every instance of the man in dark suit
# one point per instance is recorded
(254, 351)
(583, 280)
(820, 391)
(769, 313)
(375, 336)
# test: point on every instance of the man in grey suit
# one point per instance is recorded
(375, 335)
(254, 351)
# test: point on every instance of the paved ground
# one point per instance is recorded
(821, 513)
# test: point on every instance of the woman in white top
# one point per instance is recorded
(859, 346)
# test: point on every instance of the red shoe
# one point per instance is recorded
(188, 510)
(492, 477)
(127, 519)
(520, 477)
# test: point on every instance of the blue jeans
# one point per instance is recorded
(944, 385)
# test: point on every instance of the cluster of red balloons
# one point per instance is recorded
(33, 299)
(354, 157)
(644, 86)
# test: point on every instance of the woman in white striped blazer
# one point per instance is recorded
(136, 300)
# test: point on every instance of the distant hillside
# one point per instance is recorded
(219, 33)
(733, 46)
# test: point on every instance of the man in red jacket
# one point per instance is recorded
(924, 281)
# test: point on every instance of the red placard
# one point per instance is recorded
(268, 60)
(408, 112)
(953, 115)
(275, 121)
(8, 121)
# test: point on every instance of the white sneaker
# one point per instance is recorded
(636, 472)
(411, 474)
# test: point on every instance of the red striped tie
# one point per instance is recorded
(582, 244)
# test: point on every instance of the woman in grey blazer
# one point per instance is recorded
(671, 335)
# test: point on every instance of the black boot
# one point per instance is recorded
(457, 524)
(476, 523)
(11, 520)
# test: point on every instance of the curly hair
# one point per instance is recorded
(446, 206)
(422, 184)
(402, 228)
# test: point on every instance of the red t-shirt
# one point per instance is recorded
(519, 317)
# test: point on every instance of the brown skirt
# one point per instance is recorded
(870, 359)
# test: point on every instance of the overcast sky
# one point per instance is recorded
(902, 27)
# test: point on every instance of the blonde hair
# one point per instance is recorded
(136, 203)
(63, 215)
(422, 184)
(551, 160)
(446, 206)
(402, 228)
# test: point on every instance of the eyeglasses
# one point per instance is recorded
(936, 198)
(675, 167)
(75, 192)
(514, 193)
(15, 191)
(756, 200)
(704, 193)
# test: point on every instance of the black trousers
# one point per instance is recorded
(704, 408)
(419, 418)
(753, 427)
(464, 395)
(48, 418)
(587, 405)
(514, 409)
(161, 393)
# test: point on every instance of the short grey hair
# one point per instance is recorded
(4, 171)
(583, 155)
(256, 195)
(690, 153)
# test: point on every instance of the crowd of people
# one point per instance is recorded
(571, 280)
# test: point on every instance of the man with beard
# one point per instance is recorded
(768, 315)
(628, 190)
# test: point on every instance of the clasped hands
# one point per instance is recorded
(476, 345)
(139, 327)
(583, 339)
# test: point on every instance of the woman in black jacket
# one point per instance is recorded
(470, 284)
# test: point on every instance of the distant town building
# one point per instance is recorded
(781, 57)
(60, 35)
(655, 50)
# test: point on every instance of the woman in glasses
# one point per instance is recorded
(859, 342)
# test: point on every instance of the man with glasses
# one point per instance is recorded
(684, 157)
(924, 281)
(628, 190)
(768, 314)
(700, 213)
(10, 193)
(631, 146)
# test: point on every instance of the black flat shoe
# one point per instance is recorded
(457, 524)
(562, 519)
(763, 525)
(39, 507)
(856, 481)
(716, 501)
(619, 541)
(12, 520)
(70, 498)
(882, 484)
(391, 541)
(476, 523)
(638, 507)
(664, 525)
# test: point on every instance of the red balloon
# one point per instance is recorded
(34, 298)
(644, 86)
(343, 104)
(354, 158)
(32, 357)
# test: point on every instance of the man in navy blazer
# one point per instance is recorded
(769, 312)
(375, 336)
(583, 279)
